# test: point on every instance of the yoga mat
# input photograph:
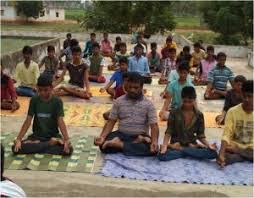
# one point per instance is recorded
(85, 114)
(24, 104)
(208, 116)
(179, 170)
(81, 160)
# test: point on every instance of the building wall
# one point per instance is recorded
(10, 14)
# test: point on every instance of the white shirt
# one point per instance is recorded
(10, 189)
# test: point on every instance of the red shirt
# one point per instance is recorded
(7, 89)
(119, 92)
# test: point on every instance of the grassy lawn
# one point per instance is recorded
(74, 14)
(206, 37)
(188, 22)
(9, 44)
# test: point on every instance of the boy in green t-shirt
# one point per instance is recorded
(47, 112)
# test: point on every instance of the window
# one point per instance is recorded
(2, 12)
(42, 13)
(57, 14)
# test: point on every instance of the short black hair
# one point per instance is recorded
(172, 50)
(123, 60)
(189, 92)
(169, 38)
(93, 34)
(51, 48)
(139, 37)
(247, 86)
(118, 38)
(76, 49)
(27, 50)
(96, 45)
(105, 33)
(186, 48)
(135, 77)
(197, 44)
(139, 46)
(210, 48)
(125, 75)
(184, 65)
(221, 54)
(153, 45)
(68, 34)
(240, 78)
(44, 80)
(74, 42)
(122, 44)
(2, 162)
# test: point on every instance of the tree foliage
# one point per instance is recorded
(29, 8)
(128, 16)
(232, 19)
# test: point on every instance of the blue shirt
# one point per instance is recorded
(175, 89)
(138, 65)
(117, 77)
(219, 76)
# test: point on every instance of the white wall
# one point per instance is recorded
(51, 15)
(9, 13)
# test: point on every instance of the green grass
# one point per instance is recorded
(206, 37)
(9, 44)
(74, 14)
(54, 27)
(188, 22)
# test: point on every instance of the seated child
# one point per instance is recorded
(47, 113)
(78, 72)
(26, 74)
(97, 62)
(185, 127)
(117, 44)
(68, 52)
(67, 41)
(140, 41)
(233, 98)
(120, 54)
(89, 46)
(8, 187)
(169, 44)
(106, 46)
(51, 63)
(218, 78)
(117, 77)
(168, 64)
(206, 65)
(154, 59)
(139, 63)
(198, 54)
(135, 114)
(120, 90)
(185, 56)
(173, 91)
(8, 93)
(237, 139)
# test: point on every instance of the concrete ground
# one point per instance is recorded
(47, 184)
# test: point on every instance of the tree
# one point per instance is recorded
(29, 8)
(230, 19)
(128, 16)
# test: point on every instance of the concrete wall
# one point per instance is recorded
(10, 60)
(9, 13)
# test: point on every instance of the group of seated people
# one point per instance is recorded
(135, 114)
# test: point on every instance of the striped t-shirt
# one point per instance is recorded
(134, 116)
(219, 76)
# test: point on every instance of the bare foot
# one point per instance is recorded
(56, 141)
(141, 139)
(115, 143)
(31, 141)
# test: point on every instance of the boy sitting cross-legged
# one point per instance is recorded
(47, 113)
(185, 127)
(78, 85)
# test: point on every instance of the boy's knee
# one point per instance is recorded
(106, 115)
(101, 79)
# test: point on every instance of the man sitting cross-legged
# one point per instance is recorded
(135, 113)
(237, 140)
(47, 113)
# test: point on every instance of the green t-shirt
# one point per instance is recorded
(95, 64)
(45, 115)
